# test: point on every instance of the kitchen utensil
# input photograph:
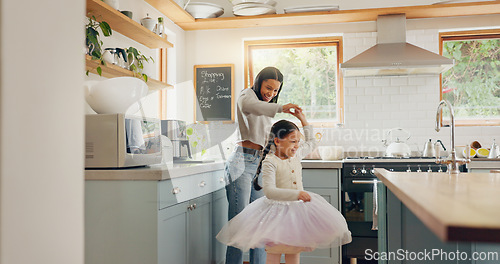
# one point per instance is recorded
(429, 150)
(475, 145)
(148, 22)
(331, 152)
(301, 9)
(397, 148)
(494, 151)
(113, 3)
(439, 149)
(114, 95)
(116, 56)
(204, 10)
(127, 13)
(253, 9)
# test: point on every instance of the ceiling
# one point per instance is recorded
(343, 4)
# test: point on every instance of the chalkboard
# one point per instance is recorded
(214, 89)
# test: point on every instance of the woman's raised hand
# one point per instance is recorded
(304, 196)
(287, 108)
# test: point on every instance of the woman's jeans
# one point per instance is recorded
(240, 170)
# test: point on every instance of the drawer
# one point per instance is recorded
(219, 181)
(320, 178)
(175, 191)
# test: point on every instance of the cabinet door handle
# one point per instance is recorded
(202, 184)
(190, 207)
(365, 181)
(194, 206)
(176, 190)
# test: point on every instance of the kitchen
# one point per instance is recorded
(59, 212)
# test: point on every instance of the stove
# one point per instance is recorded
(358, 180)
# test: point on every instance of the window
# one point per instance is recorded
(311, 74)
(473, 84)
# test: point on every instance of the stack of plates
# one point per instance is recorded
(204, 10)
(301, 9)
(255, 8)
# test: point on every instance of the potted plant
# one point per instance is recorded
(93, 40)
(136, 61)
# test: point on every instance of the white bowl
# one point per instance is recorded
(114, 95)
(331, 152)
(204, 10)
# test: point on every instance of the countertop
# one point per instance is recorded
(463, 207)
(153, 172)
(175, 170)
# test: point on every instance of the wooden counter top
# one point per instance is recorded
(463, 207)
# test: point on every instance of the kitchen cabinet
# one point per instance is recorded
(153, 222)
(324, 182)
(131, 29)
(219, 219)
(401, 231)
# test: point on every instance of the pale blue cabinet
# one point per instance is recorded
(324, 182)
(402, 234)
(219, 219)
(154, 222)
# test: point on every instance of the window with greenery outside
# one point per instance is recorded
(473, 84)
(310, 79)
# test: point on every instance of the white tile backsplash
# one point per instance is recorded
(373, 105)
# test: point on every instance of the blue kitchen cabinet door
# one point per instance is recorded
(200, 230)
(173, 234)
(219, 219)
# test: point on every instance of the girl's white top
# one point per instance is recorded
(254, 117)
(282, 179)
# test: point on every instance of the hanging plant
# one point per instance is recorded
(136, 61)
(93, 40)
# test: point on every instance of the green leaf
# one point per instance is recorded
(99, 71)
(106, 29)
(145, 77)
(87, 73)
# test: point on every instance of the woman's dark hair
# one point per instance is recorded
(279, 130)
(266, 74)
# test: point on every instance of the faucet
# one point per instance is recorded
(451, 162)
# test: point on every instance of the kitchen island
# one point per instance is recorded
(439, 213)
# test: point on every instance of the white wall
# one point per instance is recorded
(372, 104)
(41, 132)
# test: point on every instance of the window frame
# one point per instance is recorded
(336, 41)
(466, 35)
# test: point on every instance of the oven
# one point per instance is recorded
(358, 181)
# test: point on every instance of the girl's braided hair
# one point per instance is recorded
(279, 130)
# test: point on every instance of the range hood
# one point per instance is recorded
(393, 56)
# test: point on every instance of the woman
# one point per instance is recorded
(255, 108)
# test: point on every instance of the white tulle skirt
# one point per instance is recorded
(267, 223)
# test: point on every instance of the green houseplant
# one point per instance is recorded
(136, 60)
(93, 40)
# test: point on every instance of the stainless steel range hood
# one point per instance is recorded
(393, 55)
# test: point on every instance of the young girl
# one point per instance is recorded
(288, 219)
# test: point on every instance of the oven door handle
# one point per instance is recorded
(365, 181)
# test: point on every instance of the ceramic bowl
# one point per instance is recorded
(204, 10)
(114, 95)
(331, 152)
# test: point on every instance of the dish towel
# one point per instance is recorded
(375, 205)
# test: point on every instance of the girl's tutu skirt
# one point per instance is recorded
(265, 222)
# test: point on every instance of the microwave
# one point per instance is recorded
(119, 141)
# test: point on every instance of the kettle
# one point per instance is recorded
(429, 149)
(494, 151)
(397, 148)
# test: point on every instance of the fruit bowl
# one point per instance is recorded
(331, 152)
(114, 95)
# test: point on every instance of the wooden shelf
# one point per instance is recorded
(126, 26)
(178, 16)
(172, 10)
(111, 71)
